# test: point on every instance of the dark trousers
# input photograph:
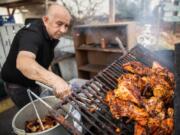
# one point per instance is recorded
(19, 95)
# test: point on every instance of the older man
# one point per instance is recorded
(31, 53)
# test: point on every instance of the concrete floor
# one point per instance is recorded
(5, 104)
(6, 121)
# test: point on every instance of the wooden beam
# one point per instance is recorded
(13, 11)
(8, 10)
(21, 3)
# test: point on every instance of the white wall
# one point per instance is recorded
(3, 11)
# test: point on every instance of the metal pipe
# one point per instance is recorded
(35, 109)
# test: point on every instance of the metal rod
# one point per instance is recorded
(92, 123)
(110, 81)
(107, 81)
(43, 85)
(66, 124)
(42, 101)
(99, 121)
(94, 101)
(104, 84)
(95, 95)
(121, 45)
(76, 95)
(35, 109)
(94, 89)
(101, 87)
(118, 68)
(72, 116)
(114, 73)
(113, 78)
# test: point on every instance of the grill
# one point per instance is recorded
(89, 99)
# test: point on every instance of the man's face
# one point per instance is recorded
(56, 26)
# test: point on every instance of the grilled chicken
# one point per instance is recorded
(120, 108)
(153, 125)
(153, 105)
(167, 125)
(136, 68)
(127, 91)
(170, 112)
(139, 130)
(130, 88)
(33, 126)
(134, 79)
(146, 97)
(109, 96)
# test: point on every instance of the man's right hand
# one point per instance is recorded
(61, 89)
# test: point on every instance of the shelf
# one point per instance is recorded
(89, 47)
(92, 68)
(114, 50)
(105, 25)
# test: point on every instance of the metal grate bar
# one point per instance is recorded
(109, 80)
(103, 125)
(59, 106)
(103, 84)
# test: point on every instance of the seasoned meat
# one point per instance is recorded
(130, 88)
(170, 112)
(33, 126)
(136, 68)
(144, 95)
(139, 130)
(120, 108)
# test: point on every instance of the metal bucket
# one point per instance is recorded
(28, 113)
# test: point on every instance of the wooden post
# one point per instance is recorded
(46, 6)
(111, 11)
(13, 11)
(8, 11)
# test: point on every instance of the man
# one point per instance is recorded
(31, 53)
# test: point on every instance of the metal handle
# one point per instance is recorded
(37, 114)
(43, 85)
(120, 45)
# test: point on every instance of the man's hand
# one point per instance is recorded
(61, 89)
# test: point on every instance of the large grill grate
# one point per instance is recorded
(88, 101)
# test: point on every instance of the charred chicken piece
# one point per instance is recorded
(139, 130)
(136, 68)
(170, 112)
(129, 88)
(153, 105)
(33, 126)
(164, 74)
(128, 92)
(135, 79)
(160, 91)
(161, 86)
(153, 125)
(168, 125)
(120, 108)
(109, 96)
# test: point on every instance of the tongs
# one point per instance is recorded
(59, 117)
